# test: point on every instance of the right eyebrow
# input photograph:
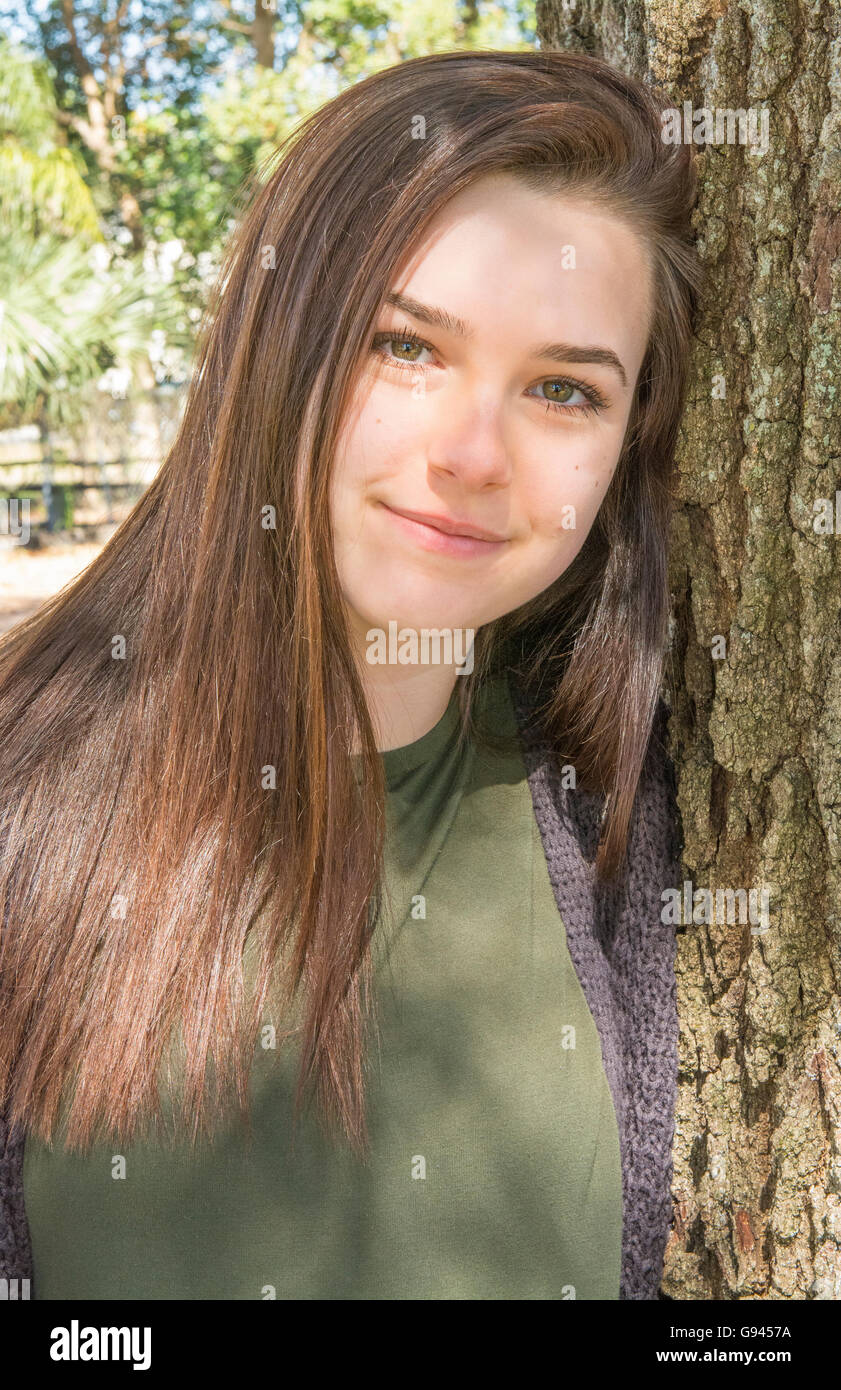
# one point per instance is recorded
(436, 318)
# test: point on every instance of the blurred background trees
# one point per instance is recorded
(136, 125)
(129, 133)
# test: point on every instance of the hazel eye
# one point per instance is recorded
(560, 391)
(406, 344)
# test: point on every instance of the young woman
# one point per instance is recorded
(329, 970)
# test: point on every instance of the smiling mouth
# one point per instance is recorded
(446, 537)
(451, 528)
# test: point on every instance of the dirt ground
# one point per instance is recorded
(28, 577)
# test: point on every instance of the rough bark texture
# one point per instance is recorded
(756, 725)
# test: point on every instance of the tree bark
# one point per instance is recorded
(755, 665)
(103, 98)
(262, 32)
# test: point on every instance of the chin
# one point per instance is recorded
(416, 615)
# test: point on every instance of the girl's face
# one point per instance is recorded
(504, 412)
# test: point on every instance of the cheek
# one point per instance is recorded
(564, 497)
(349, 457)
(371, 447)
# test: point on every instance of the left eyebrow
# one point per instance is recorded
(559, 352)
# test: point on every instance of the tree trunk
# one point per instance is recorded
(262, 32)
(102, 97)
(755, 666)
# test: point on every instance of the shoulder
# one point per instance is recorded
(654, 830)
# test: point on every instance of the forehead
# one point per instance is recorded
(535, 266)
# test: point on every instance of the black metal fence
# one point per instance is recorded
(58, 500)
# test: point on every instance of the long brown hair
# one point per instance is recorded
(178, 724)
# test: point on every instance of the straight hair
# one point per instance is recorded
(179, 723)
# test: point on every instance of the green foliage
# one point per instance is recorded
(42, 180)
(67, 309)
(63, 321)
(137, 124)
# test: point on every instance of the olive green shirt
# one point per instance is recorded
(494, 1169)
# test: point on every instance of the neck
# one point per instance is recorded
(404, 702)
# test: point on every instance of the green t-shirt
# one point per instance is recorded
(494, 1169)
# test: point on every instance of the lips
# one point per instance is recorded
(450, 526)
(458, 541)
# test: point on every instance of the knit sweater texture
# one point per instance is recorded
(624, 956)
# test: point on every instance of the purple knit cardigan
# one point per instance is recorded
(624, 957)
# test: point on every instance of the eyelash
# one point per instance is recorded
(595, 400)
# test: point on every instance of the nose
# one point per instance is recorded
(467, 440)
